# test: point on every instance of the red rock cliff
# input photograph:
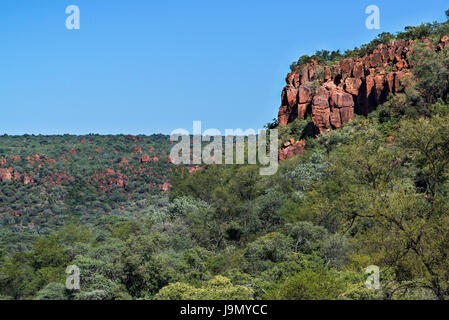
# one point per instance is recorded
(332, 94)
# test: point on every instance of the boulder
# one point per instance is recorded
(5, 174)
(352, 85)
(145, 158)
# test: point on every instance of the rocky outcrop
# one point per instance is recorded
(123, 162)
(291, 149)
(108, 178)
(443, 42)
(17, 176)
(165, 186)
(137, 150)
(331, 95)
(27, 180)
(5, 174)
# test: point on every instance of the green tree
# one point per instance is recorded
(308, 285)
(431, 70)
(218, 288)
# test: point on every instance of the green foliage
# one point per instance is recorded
(308, 285)
(431, 70)
(322, 56)
(47, 252)
(265, 252)
(53, 291)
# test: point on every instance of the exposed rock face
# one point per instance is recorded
(108, 178)
(292, 149)
(354, 85)
(123, 162)
(71, 151)
(17, 176)
(109, 172)
(5, 174)
(27, 180)
(443, 42)
(165, 186)
(133, 138)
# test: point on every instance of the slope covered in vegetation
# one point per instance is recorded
(48, 181)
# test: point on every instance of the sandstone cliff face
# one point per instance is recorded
(332, 94)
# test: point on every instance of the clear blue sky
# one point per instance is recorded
(147, 67)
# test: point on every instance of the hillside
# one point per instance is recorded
(48, 181)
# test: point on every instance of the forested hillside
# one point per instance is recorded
(373, 191)
(49, 181)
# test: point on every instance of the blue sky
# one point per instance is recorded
(148, 67)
